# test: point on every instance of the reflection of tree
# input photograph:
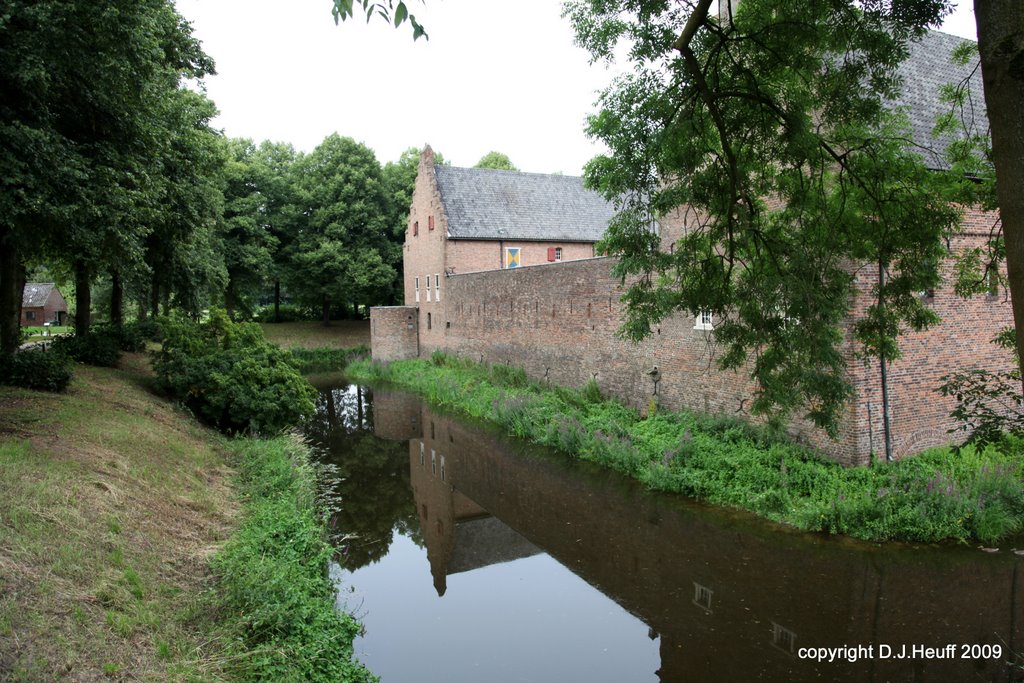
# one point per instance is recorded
(370, 489)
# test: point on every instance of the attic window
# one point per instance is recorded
(430, 222)
(554, 253)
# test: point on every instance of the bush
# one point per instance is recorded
(101, 347)
(289, 313)
(231, 377)
(37, 369)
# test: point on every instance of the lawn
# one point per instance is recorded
(341, 334)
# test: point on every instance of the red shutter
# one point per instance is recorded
(551, 253)
(430, 222)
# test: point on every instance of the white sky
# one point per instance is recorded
(502, 76)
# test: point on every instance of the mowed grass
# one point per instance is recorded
(340, 334)
(111, 502)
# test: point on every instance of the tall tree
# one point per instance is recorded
(81, 84)
(1001, 46)
(341, 253)
(280, 208)
(770, 125)
(247, 243)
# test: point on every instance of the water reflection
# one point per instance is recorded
(724, 597)
(370, 492)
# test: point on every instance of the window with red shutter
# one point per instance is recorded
(551, 253)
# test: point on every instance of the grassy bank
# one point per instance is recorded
(968, 495)
(113, 508)
(278, 605)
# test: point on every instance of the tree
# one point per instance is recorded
(280, 208)
(770, 126)
(1001, 46)
(81, 84)
(247, 242)
(496, 160)
(341, 251)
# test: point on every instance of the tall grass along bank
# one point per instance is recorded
(114, 507)
(278, 601)
(965, 494)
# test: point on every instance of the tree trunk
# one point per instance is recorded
(83, 298)
(1001, 45)
(327, 311)
(154, 295)
(12, 286)
(277, 301)
(116, 298)
(229, 298)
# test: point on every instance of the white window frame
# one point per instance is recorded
(437, 286)
(705, 320)
(417, 289)
(558, 254)
(519, 253)
(428, 288)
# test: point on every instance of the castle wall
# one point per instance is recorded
(394, 333)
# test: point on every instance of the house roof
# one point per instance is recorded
(488, 204)
(924, 72)
(35, 294)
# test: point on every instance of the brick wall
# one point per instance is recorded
(469, 256)
(393, 333)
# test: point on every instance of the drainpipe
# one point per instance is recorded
(885, 375)
(501, 254)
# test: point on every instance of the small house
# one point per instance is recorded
(42, 302)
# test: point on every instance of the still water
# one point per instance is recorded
(470, 557)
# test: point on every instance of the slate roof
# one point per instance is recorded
(487, 204)
(35, 294)
(924, 72)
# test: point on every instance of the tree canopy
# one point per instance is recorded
(496, 160)
(770, 126)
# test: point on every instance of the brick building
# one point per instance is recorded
(42, 302)
(555, 313)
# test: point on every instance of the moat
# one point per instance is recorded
(472, 557)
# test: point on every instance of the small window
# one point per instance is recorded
(558, 253)
(428, 315)
(428, 288)
(415, 228)
(30, 315)
(783, 638)
(417, 289)
(702, 596)
(512, 257)
(705, 321)
(437, 286)
(430, 222)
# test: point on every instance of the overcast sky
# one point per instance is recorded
(494, 76)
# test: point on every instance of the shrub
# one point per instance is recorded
(37, 369)
(101, 347)
(231, 377)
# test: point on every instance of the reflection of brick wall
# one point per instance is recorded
(650, 554)
(396, 415)
(393, 333)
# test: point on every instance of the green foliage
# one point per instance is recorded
(230, 376)
(275, 592)
(971, 494)
(100, 347)
(389, 10)
(496, 160)
(36, 369)
(771, 129)
(345, 251)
